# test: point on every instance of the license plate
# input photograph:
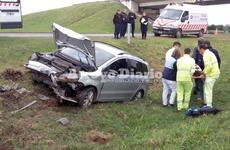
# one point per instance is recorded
(10, 14)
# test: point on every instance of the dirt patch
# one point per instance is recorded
(49, 103)
(6, 147)
(13, 100)
(11, 131)
(97, 137)
(11, 74)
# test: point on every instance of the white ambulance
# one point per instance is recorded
(10, 14)
(181, 19)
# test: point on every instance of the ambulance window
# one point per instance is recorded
(185, 16)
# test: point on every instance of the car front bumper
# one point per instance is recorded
(164, 30)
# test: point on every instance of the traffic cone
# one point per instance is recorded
(216, 32)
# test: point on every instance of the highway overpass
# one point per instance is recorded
(152, 7)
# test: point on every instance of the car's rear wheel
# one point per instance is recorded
(157, 34)
(139, 95)
(86, 97)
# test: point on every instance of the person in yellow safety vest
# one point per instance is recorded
(185, 70)
(211, 72)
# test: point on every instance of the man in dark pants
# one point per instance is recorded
(124, 22)
(117, 24)
(199, 83)
(131, 18)
(144, 25)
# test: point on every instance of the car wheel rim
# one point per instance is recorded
(89, 98)
(138, 95)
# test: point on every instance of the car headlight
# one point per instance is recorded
(33, 57)
(173, 25)
(69, 77)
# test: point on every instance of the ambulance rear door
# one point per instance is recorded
(10, 14)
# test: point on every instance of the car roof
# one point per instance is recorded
(116, 51)
(110, 48)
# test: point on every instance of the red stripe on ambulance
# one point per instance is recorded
(9, 4)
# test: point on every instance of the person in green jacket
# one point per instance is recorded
(211, 73)
(185, 70)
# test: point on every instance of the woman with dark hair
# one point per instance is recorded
(169, 79)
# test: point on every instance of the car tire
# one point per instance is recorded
(157, 34)
(200, 34)
(178, 34)
(35, 78)
(139, 95)
(86, 97)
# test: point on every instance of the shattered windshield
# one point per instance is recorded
(77, 55)
(172, 14)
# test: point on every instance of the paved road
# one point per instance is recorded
(46, 34)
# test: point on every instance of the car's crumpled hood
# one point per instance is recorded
(64, 37)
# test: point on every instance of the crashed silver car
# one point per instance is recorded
(84, 71)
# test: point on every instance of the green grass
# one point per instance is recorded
(136, 125)
(85, 18)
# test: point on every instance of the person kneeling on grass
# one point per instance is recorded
(169, 79)
(185, 70)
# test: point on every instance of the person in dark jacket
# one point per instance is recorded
(199, 83)
(169, 79)
(131, 19)
(214, 51)
(144, 25)
(117, 24)
(124, 23)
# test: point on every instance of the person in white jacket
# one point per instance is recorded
(176, 45)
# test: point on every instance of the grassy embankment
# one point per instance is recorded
(137, 125)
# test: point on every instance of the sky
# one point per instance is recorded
(218, 14)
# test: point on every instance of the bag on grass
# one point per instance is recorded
(195, 112)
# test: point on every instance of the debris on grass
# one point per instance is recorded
(64, 121)
(43, 97)
(14, 97)
(30, 104)
(22, 91)
(11, 74)
(5, 88)
(97, 137)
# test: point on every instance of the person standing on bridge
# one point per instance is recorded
(117, 24)
(144, 25)
(131, 18)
